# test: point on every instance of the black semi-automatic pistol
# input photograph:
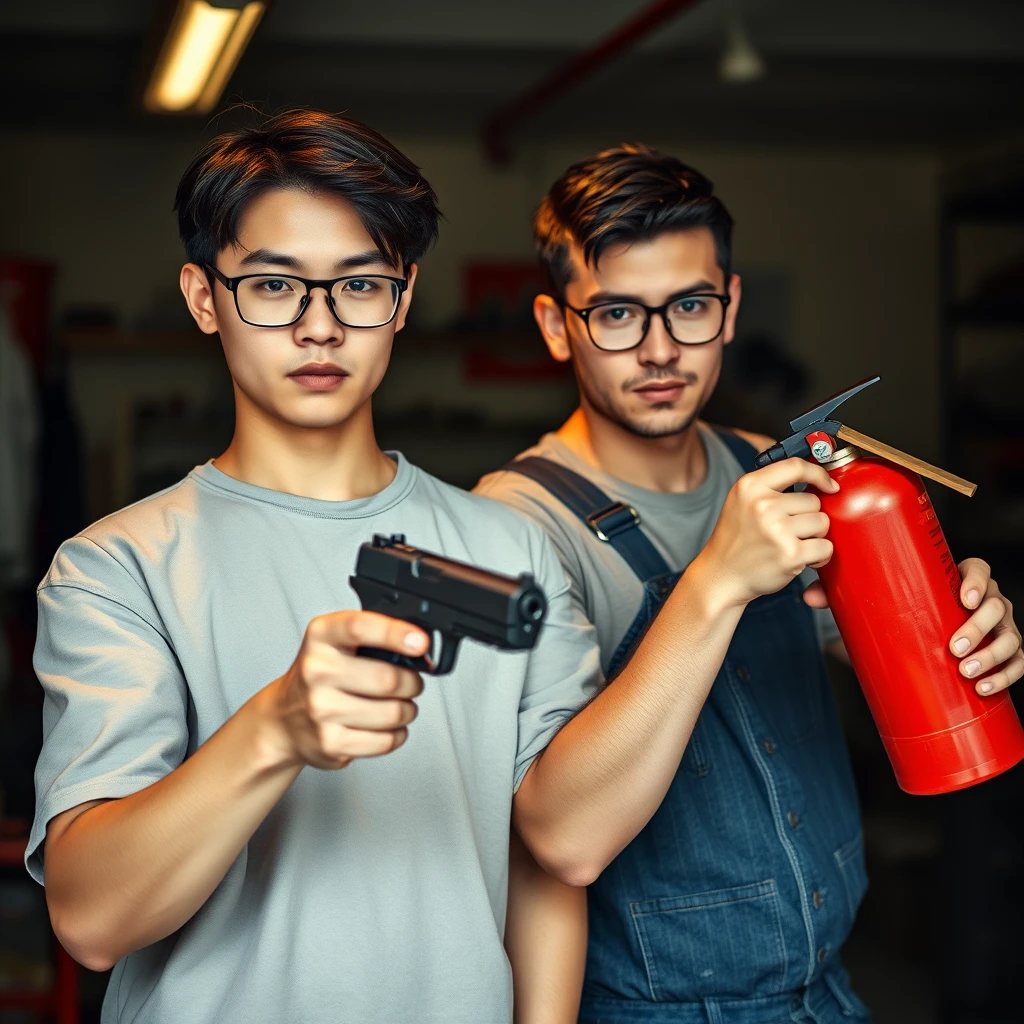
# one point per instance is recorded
(448, 600)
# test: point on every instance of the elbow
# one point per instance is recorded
(83, 941)
(93, 961)
(563, 862)
(577, 873)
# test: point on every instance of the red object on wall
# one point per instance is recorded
(25, 288)
(894, 588)
(508, 288)
(512, 283)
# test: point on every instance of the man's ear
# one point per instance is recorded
(735, 291)
(551, 321)
(198, 292)
(406, 300)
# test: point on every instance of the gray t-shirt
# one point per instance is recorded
(604, 587)
(371, 894)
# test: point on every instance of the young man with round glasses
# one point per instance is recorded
(198, 652)
(732, 904)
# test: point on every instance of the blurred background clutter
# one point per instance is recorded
(871, 152)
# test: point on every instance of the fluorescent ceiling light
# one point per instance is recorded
(202, 48)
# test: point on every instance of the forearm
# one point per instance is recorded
(128, 872)
(546, 941)
(606, 772)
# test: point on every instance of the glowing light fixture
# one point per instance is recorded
(201, 50)
(740, 61)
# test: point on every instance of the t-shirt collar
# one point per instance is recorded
(207, 475)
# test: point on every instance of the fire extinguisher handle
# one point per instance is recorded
(794, 445)
(814, 419)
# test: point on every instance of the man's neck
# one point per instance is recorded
(672, 464)
(339, 463)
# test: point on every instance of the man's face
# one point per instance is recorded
(658, 388)
(314, 373)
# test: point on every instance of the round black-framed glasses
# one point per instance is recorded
(280, 300)
(695, 319)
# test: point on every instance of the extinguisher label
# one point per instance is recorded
(928, 520)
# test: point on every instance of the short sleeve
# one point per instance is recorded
(564, 670)
(115, 699)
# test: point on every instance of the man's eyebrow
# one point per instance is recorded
(697, 288)
(267, 257)
(363, 259)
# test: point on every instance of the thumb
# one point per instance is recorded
(814, 596)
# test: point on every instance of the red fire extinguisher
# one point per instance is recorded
(894, 590)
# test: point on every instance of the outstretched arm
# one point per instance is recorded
(121, 874)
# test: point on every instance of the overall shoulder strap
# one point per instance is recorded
(611, 522)
(743, 451)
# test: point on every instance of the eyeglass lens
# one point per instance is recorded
(276, 301)
(692, 320)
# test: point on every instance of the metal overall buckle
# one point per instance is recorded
(607, 522)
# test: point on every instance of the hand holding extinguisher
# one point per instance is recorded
(893, 588)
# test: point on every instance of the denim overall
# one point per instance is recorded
(732, 904)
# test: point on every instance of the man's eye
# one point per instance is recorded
(691, 307)
(615, 315)
(361, 286)
(273, 286)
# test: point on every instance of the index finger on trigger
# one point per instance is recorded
(349, 630)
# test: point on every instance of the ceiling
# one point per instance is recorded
(917, 73)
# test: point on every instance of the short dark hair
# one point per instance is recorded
(317, 152)
(631, 193)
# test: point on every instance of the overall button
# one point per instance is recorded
(793, 818)
(769, 745)
(818, 898)
(822, 955)
(743, 673)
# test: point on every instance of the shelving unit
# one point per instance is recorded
(981, 367)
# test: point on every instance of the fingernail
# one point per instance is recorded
(835, 485)
(972, 668)
(985, 687)
(961, 645)
(413, 641)
(972, 598)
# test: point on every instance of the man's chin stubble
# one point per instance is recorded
(653, 430)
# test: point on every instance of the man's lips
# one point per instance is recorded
(661, 390)
(319, 376)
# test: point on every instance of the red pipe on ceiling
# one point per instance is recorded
(498, 125)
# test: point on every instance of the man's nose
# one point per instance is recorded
(317, 325)
(658, 347)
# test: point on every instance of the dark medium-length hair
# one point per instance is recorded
(317, 152)
(628, 194)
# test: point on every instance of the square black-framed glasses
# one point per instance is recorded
(232, 283)
(649, 311)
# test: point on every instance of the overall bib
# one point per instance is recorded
(731, 906)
